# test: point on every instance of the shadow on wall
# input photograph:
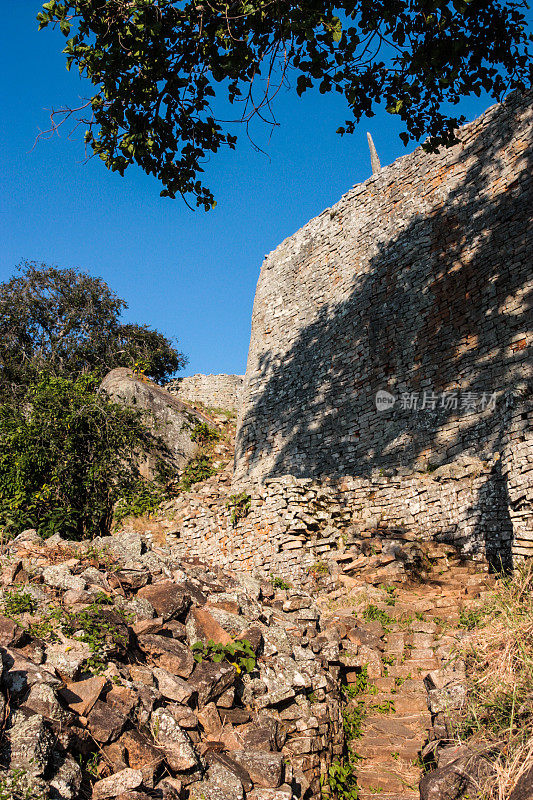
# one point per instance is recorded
(441, 306)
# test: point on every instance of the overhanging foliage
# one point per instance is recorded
(156, 65)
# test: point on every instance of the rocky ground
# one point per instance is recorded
(107, 692)
(130, 672)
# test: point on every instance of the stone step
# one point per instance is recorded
(400, 726)
(386, 778)
(402, 702)
(413, 669)
(379, 748)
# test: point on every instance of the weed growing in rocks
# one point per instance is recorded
(201, 467)
(341, 780)
(98, 629)
(471, 618)
(391, 592)
(352, 721)
(385, 707)
(279, 583)
(239, 653)
(240, 506)
(319, 568)
(18, 785)
(372, 612)
(351, 690)
(100, 625)
(19, 602)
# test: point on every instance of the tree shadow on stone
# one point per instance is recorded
(428, 313)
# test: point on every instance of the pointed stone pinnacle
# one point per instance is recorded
(374, 158)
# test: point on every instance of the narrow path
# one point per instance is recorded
(413, 633)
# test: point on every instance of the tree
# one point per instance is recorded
(66, 456)
(67, 323)
(156, 64)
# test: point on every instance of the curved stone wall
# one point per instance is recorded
(393, 332)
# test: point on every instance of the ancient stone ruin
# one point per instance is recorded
(214, 391)
(390, 356)
(291, 628)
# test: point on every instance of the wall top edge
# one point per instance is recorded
(387, 173)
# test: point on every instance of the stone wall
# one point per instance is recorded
(294, 523)
(212, 391)
(416, 284)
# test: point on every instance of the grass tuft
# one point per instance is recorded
(498, 654)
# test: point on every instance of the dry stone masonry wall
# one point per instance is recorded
(296, 526)
(212, 391)
(417, 284)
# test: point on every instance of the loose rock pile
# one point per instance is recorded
(107, 693)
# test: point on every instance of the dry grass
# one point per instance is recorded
(499, 659)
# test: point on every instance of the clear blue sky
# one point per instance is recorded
(189, 274)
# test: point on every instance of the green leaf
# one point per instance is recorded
(396, 107)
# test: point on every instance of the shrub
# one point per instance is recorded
(136, 501)
(203, 434)
(199, 469)
(279, 583)
(67, 454)
(340, 781)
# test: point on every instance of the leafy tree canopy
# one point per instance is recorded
(67, 323)
(156, 64)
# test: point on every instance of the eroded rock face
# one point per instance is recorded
(136, 704)
(524, 787)
(460, 777)
(169, 417)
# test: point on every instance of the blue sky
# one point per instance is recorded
(189, 274)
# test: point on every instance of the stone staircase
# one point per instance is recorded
(415, 635)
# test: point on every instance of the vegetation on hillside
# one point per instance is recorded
(67, 453)
(67, 323)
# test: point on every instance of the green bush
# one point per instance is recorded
(67, 454)
(138, 500)
(340, 781)
(279, 583)
(240, 506)
(202, 433)
(199, 469)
